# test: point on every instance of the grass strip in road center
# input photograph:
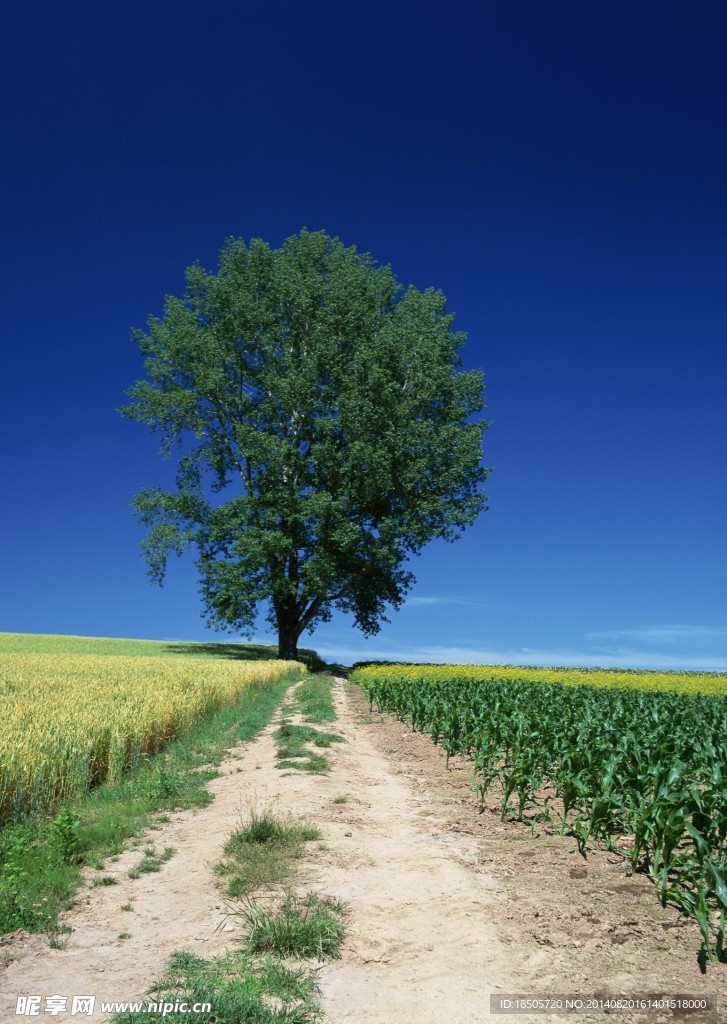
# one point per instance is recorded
(314, 699)
(258, 984)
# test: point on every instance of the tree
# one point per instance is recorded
(329, 403)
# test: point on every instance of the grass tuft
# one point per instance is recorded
(304, 929)
(152, 861)
(294, 745)
(257, 990)
(261, 853)
(317, 764)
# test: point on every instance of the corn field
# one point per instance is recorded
(70, 721)
(635, 762)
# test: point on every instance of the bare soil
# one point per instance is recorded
(447, 906)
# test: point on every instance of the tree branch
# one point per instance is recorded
(313, 608)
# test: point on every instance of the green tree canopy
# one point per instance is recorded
(329, 404)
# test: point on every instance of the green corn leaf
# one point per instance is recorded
(720, 887)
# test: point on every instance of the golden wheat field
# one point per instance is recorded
(72, 720)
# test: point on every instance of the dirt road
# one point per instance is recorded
(432, 932)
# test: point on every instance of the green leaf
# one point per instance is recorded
(720, 888)
(329, 404)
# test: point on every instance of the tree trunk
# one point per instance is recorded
(288, 634)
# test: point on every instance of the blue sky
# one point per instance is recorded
(557, 169)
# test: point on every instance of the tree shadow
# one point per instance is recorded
(244, 652)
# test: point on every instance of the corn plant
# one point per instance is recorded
(634, 761)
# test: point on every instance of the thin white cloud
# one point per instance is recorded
(431, 602)
(711, 636)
